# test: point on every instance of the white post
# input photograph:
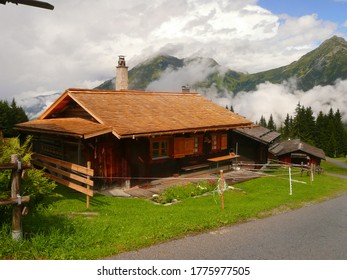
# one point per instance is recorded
(221, 186)
(290, 181)
(312, 172)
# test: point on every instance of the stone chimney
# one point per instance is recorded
(121, 74)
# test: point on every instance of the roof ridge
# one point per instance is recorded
(108, 91)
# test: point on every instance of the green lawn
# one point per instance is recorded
(65, 229)
(332, 168)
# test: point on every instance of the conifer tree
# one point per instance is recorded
(10, 115)
(271, 124)
(262, 121)
(287, 128)
(340, 135)
(321, 136)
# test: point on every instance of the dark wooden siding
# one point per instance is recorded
(249, 149)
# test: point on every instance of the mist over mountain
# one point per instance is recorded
(322, 66)
(318, 79)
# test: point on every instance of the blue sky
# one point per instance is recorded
(333, 10)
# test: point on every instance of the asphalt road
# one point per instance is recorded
(314, 232)
(337, 162)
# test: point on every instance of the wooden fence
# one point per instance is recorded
(74, 176)
(16, 199)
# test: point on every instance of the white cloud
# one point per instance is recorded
(280, 99)
(81, 39)
(191, 73)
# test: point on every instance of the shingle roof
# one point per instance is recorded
(296, 145)
(76, 127)
(259, 133)
(139, 113)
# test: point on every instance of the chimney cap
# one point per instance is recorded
(121, 61)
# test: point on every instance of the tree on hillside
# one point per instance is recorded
(321, 136)
(287, 127)
(262, 121)
(326, 131)
(271, 124)
(303, 125)
(340, 133)
(10, 115)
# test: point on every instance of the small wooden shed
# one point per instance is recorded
(253, 143)
(133, 134)
(297, 152)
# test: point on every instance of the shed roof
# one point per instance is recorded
(260, 134)
(296, 145)
(137, 113)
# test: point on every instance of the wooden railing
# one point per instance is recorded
(74, 176)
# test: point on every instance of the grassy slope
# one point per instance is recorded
(124, 224)
(335, 169)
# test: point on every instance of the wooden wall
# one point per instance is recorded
(114, 161)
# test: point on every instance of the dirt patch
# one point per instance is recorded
(279, 210)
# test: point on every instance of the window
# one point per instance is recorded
(219, 142)
(214, 140)
(159, 149)
(196, 145)
(187, 146)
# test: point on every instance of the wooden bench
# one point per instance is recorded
(195, 167)
(218, 160)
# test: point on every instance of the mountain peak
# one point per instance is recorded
(335, 40)
(332, 45)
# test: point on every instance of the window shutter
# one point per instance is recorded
(189, 146)
(224, 141)
(179, 147)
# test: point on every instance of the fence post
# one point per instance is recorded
(221, 185)
(290, 181)
(88, 187)
(16, 175)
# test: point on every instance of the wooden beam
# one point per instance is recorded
(8, 166)
(65, 164)
(13, 166)
(70, 185)
(12, 200)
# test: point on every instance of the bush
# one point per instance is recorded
(34, 183)
(182, 192)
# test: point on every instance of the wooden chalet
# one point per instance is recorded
(133, 134)
(297, 152)
(253, 143)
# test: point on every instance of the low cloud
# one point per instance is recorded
(192, 72)
(280, 99)
(267, 99)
